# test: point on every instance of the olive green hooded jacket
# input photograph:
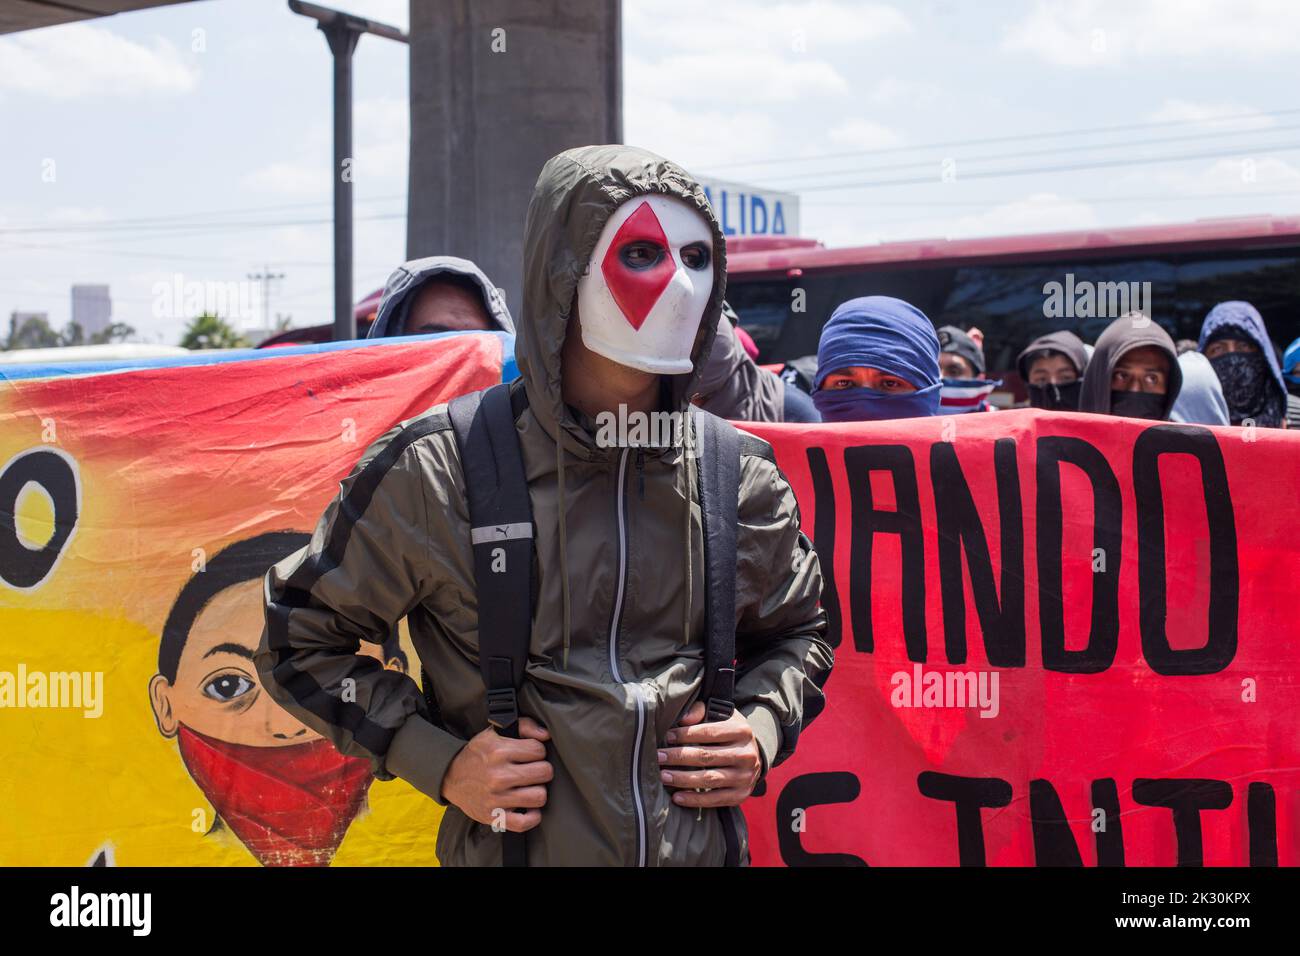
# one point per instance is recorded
(617, 645)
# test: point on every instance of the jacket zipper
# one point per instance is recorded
(633, 689)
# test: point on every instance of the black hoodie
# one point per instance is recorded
(1128, 332)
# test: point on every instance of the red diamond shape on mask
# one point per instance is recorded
(637, 290)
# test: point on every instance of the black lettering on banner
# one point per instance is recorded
(1107, 535)
(959, 528)
(969, 794)
(21, 566)
(824, 540)
(1110, 839)
(1261, 823)
(1054, 843)
(1186, 797)
(867, 521)
(1224, 584)
(811, 790)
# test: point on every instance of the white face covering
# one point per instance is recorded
(643, 295)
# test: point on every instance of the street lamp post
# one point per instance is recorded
(342, 31)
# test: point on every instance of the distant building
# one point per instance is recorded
(92, 308)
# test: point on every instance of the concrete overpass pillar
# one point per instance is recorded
(497, 88)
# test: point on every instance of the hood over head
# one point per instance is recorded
(1131, 331)
(1200, 401)
(1247, 318)
(576, 194)
(407, 279)
(1065, 342)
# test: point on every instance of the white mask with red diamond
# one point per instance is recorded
(643, 295)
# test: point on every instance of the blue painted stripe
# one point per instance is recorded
(14, 373)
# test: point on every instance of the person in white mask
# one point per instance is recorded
(644, 293)
(618, 761)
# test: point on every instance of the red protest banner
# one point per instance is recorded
(1061, 639)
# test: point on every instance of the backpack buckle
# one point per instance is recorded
(718, 708)
(503, 708)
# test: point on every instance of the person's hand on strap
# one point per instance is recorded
(721, 758)
(496, 778)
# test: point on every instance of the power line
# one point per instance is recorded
(1002, 200)
(181, 228)
(188, 216)
(1002, 139)
(913, 164)
(1035, 170)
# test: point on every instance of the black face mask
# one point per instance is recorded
(1138, 405)
(1055, 398)
(1248, 387)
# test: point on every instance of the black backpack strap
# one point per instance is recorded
(501, 533)
(718, 455)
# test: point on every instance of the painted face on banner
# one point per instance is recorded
(643, 295)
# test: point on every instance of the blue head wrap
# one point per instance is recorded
(1291, 362)
(886, 334)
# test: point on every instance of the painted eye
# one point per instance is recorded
(227, 687)
(641, 255)
(695, 256)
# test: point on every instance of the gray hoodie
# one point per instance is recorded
(409, 276)
(1201, 398)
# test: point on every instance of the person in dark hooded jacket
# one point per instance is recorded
(1133, 372)
(1052, 368)
(615, 764)
(733, 386)
(439, 294)
(1235, 341)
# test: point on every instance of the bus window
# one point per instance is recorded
(1271, 283)
(1013, 305)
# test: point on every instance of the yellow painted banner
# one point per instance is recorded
(139, 509)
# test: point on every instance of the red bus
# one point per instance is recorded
(997, 284)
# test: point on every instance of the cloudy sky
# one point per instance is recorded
(194, 141)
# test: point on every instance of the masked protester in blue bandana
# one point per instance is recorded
(1235, 341)
(961, 363)
(878, 359)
